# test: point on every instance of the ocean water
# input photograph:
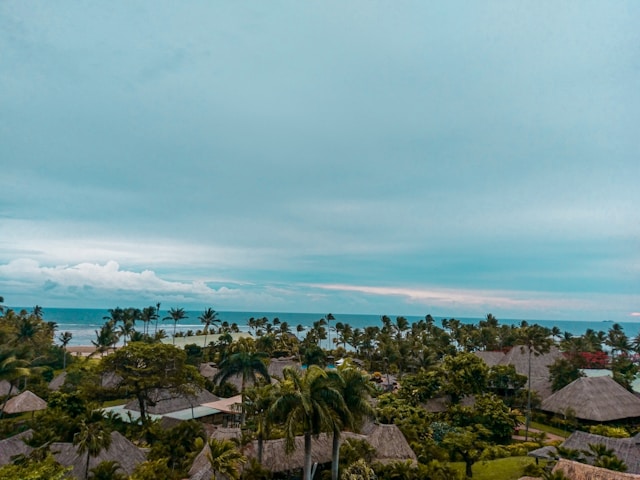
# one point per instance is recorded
(83, 323)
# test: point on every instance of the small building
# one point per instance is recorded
(595, 399)
(581, 471)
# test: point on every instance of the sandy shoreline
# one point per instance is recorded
(84, 350)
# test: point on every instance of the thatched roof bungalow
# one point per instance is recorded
(518, 356)
(597, 399)
(5, 388)
(167, 405)
(388, 441)
(582, 471)
(626, 449)
(27, 401)
(121, 450)
(14, 446)
(491, 359)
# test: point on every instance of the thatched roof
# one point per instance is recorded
(582, 471)
(121, 450)
(57, 381)
(276, 459)
(599, 399)
(626, 449)
(5, 386)
(12, 446)
(165, 401)
(277, 365)
(490, 358)
(518, 356)
(441, 404)
(201, 467)
(388, 441)
(25, 402)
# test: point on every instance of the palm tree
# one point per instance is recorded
(157, 317)
(310, 402)
(355, 389)
(225, 458)
(175, 314)
(244, 363)
(147, 315)
(106, 337)
(208, 317)
(91, 439)
(535, 339)
(65, 338)
(258, 404)
(12, 367)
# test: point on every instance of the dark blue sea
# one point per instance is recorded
(83, 323)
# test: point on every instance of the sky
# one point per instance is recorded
(404, 158)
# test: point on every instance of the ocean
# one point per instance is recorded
(83, 323)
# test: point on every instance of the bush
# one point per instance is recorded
(608, 431)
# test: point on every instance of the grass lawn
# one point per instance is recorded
(510, 468)
(549, 429)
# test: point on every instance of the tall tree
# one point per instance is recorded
(145, 367)
(208, 317)
(92, 438)
(225, 459)
(245, 363)
(535, 340)
(308, 402)
(65, 338)
(355, 389)
(175, 314)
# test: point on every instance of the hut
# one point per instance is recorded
(57, 382)
(27, 401)
(7, 389)
(518, 356)
(582, 471)
(13, 446)
(170, 407)
(597, 399)
(121, 450)
(490, 358)
(388, 441)
(626, 449)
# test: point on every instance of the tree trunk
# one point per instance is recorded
(335, 454)
(468, 472)
(86, 467)
(260, 448)
(307, 456)
(528, 418)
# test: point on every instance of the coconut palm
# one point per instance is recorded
(258, 401)
(13, 366)
(355, 388)
(225, 458)
(91, 439)
(65, 338)
(208, 317)
(536, 341)
(175, 314)
(147, 315)
(309, 402)
(245, 363)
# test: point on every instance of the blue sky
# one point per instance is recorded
(452, 158)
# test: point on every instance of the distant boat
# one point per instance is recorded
(607, 321)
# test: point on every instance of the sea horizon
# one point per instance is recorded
(83, 323)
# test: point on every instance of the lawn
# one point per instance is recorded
(510, 468)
